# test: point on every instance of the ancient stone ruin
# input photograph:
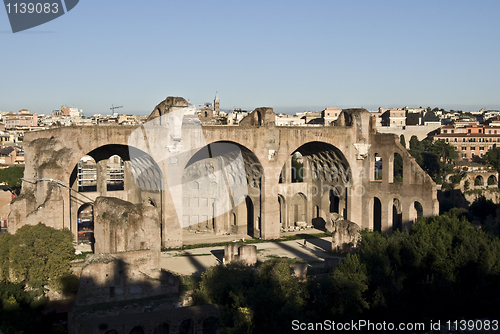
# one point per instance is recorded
(345, 234)
(346, 168)
(241, 253)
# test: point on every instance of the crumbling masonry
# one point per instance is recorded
(348, 169)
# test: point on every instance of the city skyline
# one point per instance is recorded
(292, 56)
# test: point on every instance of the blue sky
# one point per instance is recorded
(289, 55)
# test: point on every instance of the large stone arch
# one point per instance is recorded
(326, 180)
(142, 179)
(226, 174)
(52, 154)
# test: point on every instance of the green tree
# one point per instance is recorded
(436, 158)
(265, 300)
(443, 263)
(297, 169)
(11, 176)
(482, 208)
(416, 144)
(493, 157)
(398, 168)
(402, 140)
(37, 255)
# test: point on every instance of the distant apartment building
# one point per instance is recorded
(235, 117)
(393, 117)
(290, 120)
(470, 141)
(313, 117)
(11, 156)
(71, 112)
(330, 115)
(24, 119)
(377, 116)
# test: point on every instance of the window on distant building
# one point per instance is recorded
(464, 148)
(468, 131)
(452, 131)
(464, 155)
(481, 148)
(445, 131)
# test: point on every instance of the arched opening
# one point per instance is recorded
(326, 178)
(87, 174)
(113, 167)
(86, 224)
(397, 168)
(334, 201)
(115, 174)
(377, 215)
(282, 206)
(299, 209)
(210, 325)
(397, 215)
(297, 171)
(137, 330)
(257, 118)
(221, 184)
(478, 181)
(492, 180)
(377, 174)
(250, 216)
(416, 211)
(186, 327)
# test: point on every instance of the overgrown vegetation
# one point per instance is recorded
(436, 158)
(33, 259)
(11, 176)
(297, 169)
(443, 269)
(36, 256)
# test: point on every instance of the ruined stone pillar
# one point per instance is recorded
(73, 207)
(270, 216)
(407, 215)
(306, 170)
(406, 170)
(171, 226)
(390, 169)
(386, 174)
(102, 175)
(131, 189)
(287, 171)
(386, 220)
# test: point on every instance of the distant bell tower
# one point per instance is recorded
(216, 105)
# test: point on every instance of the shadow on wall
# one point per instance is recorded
(454, 198)
(115, 296)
